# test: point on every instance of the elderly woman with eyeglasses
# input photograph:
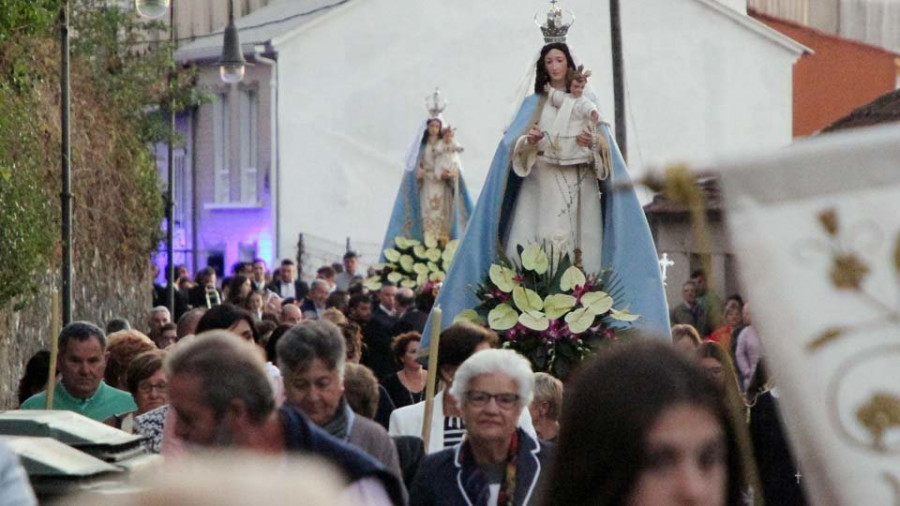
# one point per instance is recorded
(496, 463)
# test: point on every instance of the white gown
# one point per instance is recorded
(548, 200)
(435, 194)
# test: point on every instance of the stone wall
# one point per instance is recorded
(101, 292)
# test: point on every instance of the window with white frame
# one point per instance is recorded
(222, 177)
(249, 139)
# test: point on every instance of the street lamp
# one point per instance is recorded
(232, 64)
(156, 9)
(151, 9)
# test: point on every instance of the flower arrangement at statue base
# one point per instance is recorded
(420, 265)
(548, 309)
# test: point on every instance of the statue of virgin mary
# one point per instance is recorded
(586, 209)
(433, 200)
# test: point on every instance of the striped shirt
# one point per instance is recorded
(454, 430)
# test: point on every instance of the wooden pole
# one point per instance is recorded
(432, 374)
(54, 348)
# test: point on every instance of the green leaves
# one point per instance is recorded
(534, 320)
(503, 277)
(450, 252)
(598, 303)
(623, 315)
(580, 320)
(392, 255)
(571, 278)
(527, 299)
(535, 259)
(405, 243)
(470, 316)
(557, 305)
(406, 262)
(502, 317)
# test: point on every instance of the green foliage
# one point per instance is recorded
(121, 81)
(26, 17)
(27, 227)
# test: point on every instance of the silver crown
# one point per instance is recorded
(435, 103)
(556, 24)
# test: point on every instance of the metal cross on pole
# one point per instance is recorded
(664, 264)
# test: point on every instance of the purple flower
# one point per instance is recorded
(579, 291)
(496, 293)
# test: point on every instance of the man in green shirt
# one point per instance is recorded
(82, 361)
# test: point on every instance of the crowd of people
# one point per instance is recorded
(723, 341)
(336, 375)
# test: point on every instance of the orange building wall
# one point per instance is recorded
(841, 76)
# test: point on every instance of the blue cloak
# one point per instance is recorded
(628, 246)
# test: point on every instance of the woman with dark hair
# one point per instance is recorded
(642, 425)
(239, 288)
(534, 193)
(406, 386)
(37, 371)
(229, 317)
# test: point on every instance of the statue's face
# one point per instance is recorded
(434, 128)
(556, 65)
(576, 88)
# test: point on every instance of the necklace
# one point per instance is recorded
(414, 397)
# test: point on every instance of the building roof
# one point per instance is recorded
(768, 18)
(260, 27)
(884, 109)
(285, 16)
(757, 27)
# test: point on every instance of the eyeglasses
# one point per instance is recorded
(480, 399)
(146, 388)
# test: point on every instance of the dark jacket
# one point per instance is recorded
(302, 436)
(377, 336)
(411, 320)
(301, 289)
(197, 296)
(441, 475)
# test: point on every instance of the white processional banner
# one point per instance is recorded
(816, 228)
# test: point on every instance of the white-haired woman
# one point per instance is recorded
(496, 463)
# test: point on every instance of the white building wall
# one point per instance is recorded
(700, 86)
(352, 88)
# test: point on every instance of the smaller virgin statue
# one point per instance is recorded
(433, 200)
